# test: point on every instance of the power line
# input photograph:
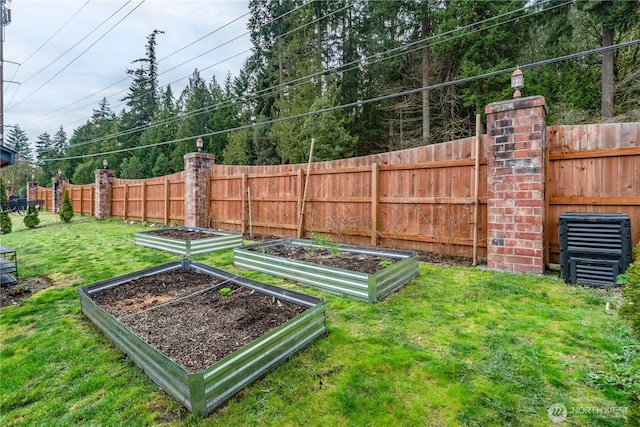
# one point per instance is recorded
(370, 100)
(372, 59)
(84, 51)
(43, 45)
(183, 48)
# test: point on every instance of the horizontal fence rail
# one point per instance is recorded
(592, 168)
(82, 198)
(45, 194)
(159, 200)
(420, 199)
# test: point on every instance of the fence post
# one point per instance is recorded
(197, 168)
(104, 178)
(375, 190)
(58, 184)
(32, 191)
(516, 139)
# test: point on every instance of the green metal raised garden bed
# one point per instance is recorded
(396, 269)
(202, 391)
(196, 241)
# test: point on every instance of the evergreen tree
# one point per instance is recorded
(59, 142)
(66, 211)
(143, 96)
(44, 152)
(84, 173)
(31, 219)
(237, 151)
(5, 219)
(132, 168)
(612, 16)
(196, 100)
(302, 57)
(162, 166)
(332, 141)
(18, 141)
(163, 128)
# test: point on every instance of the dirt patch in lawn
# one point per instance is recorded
(363, 263)
(182, 234)
(17, 292)
(186, 317)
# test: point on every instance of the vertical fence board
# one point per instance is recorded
(592, 168)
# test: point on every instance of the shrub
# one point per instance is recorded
(5, 219)
(31, 220)
(631, 306)
(66, 211)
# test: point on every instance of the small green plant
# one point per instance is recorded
(5, 219)
(385, 263)
(325, 242)
(630, 309)
(31, 220)
(224, 291)
(66, 211)
(20, 288)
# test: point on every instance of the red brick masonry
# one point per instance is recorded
(516, 132)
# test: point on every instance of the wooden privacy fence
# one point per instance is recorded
(82, 198)
(592, 168)
(45, 194)
(155, 199)
(422, 198)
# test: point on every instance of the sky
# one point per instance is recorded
(74, 53)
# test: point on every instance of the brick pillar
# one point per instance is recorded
(32, 191)
(58, 185)
(516, 132)
(197, 168)
(104, 178)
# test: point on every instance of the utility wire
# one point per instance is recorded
(76, 44)
(374, 57)
(43, 45)
(179, 50)
(370, 60)
(370, 100)
(83, 52)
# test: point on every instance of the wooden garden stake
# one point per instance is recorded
(304, 193)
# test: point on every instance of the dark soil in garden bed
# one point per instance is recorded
(184, 315)
(363, 263)
(429, 257)
(25, 288)
(180, 234)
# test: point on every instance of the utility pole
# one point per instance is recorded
(5, 19)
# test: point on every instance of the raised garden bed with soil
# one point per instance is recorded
(188, 241)
(200, 333)
(361, 272)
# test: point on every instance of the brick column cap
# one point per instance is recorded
(516, 104)
(107, 171)
(203, 156)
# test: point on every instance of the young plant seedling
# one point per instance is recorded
(224, 291)
(385, 263)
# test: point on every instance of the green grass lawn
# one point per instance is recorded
(455, 346)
